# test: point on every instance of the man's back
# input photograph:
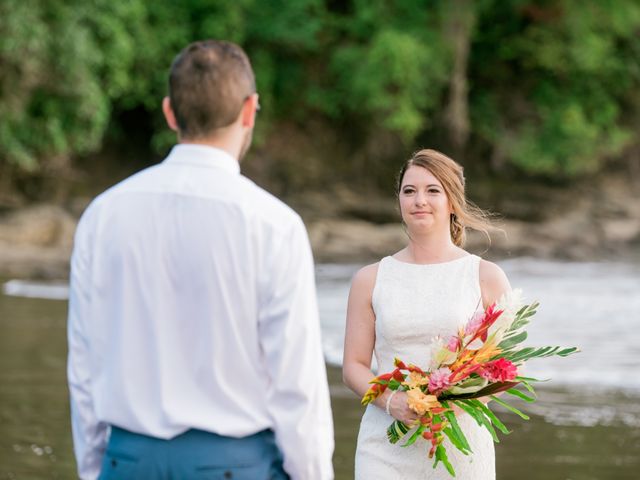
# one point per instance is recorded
(190, 280)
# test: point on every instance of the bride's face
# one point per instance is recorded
(423, 202)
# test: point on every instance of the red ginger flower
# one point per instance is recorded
(488, 319)
(399, 363)
(500, 370)
(413, 368)
(374, 392)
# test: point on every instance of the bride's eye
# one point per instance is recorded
(408, 191)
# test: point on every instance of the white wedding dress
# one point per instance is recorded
(413, 303)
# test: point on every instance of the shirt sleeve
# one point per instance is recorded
(89, 435)
(298, 398)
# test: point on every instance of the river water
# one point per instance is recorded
(584, 425)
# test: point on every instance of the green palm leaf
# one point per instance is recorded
(441, 456)
(533, 352)
(492, 416)
(414, 436)
(480, 418)
(396, 431)
(509, 407)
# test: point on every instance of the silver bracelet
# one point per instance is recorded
(393, 392)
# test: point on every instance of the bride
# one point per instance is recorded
(396, 306)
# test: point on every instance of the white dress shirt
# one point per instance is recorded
(193, 305)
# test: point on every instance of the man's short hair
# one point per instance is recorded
(208, 84)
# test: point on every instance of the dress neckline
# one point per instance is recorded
(448, 262)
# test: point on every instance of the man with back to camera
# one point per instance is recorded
(194, 340)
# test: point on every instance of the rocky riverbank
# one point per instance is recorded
(36, 241)
(583, 222)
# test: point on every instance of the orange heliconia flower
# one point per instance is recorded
(416, 380)
(421, 403)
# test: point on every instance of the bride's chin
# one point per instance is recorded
(419, 229)
(423, 225)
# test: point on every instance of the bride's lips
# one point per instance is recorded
(420, 214)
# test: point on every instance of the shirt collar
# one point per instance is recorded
(202, 156)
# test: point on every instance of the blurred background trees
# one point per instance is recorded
(510, 87)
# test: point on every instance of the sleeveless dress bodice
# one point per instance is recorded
(413, 303)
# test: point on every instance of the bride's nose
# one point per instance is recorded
(420, 199)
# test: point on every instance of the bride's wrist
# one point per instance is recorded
(388, 402)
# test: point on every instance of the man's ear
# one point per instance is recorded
(169, 116)
(249, 110)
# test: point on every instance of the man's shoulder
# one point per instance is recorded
(256, 204)
(104, 198)
(267, 207)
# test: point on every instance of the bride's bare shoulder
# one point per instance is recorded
(493, 281)
(366, 276)
(362, 285)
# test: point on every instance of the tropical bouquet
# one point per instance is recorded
(481, 360)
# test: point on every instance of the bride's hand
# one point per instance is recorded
(399, 409)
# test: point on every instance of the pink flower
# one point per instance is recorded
(474, 323)
(500, 370)
(439, 379)
(478, 326)
(454, 344)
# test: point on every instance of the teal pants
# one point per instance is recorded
(193, 455)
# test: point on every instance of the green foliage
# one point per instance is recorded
(567, 69)
(396, 431)
(390, 78)
(487, 411)
(392, 70)
(509, 407)
(414, 436)
(63, 65)
(528, 353)
(553, 86)
(454, 432)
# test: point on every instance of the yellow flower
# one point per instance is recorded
(416, 380)
(463, 358)
(421, 403)
(487, 351)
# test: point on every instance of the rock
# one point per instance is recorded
(34, 263)
(36, 242)
(41, 225)
(621, 231)
(354, 240)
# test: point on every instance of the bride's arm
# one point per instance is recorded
(359, 336)
(359, 342)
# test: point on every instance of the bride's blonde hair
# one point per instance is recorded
(451, 176)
